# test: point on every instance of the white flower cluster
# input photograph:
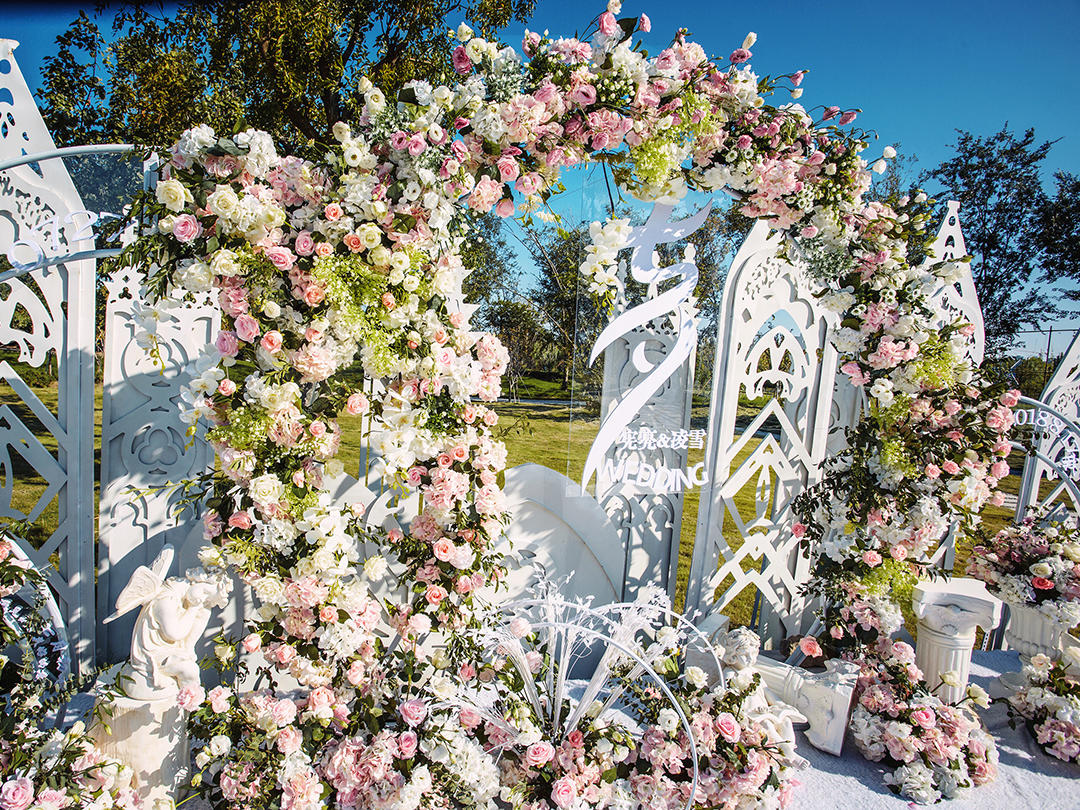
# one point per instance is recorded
(599, 266)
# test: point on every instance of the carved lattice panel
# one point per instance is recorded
(54, 445)
(641, 450)
(649, 522)
(1040, 485)
(772, 342)
(144, 445)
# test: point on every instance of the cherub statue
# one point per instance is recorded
(173, 618)
(146, 727)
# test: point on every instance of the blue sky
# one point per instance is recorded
(919, 70)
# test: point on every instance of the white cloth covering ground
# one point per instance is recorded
(1027, 779)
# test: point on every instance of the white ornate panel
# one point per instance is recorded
(958, 298)
(772, 338)
(144, 445)
(649, 353)
(1040, 485)
(30, 197)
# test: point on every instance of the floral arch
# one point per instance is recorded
(355, 256)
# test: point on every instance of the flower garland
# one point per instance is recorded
(355, 259)
(1049, 704)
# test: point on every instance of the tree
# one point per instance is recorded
(517, 326)
(1002, 205)
(289, 67)
(1059, 231)
(493, 267)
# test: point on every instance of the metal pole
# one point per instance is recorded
(1046, 366)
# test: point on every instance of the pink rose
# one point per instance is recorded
(271, 341)
(226, 388)
(247, 328)
(1010, 398)
(190, 697)
(333, 212)
(321, 698)
(356, 404)
(462, 62)
(999, 469)
(283, 711)
(445, 549)
(219, 699)
(951, 467)
(924, 717)
(810, 647)
(898, 553)
(798, 530)
(508, 169)
(226, 343)
(539, 754)
(185, 228)
(406, 743)
(505, 207)
(871, 558)
(932, 471)
(305, 244)
(435, 594)
(240, 520)
(644, 24)
(251, 643)
(728, 727)
(16, 793)
(289, 740)
(470, 718)
(608, 26)
(1042, 583)
(413, 712)
(563, 792)
(281, 257)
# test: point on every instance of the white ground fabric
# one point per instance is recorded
(1028, 779)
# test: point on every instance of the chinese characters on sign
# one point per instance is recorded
(648, 439)
(657, 478)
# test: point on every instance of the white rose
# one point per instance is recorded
(224, 263)
(668, 720)
(271, 309)
(196, 277)
(696, 677)
(219, 745)
(172, 194)
(265, 489)
(223, 202)
(375, 101)
(375, 567)
(1042, 569)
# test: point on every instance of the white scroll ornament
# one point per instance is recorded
(658, 229)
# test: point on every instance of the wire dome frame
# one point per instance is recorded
(35, 616)
(568, 632)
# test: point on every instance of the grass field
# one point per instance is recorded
(548, 434)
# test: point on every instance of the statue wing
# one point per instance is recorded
(144, 584)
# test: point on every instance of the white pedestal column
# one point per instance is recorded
(949, 611)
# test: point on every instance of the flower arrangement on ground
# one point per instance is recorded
(1032, 564)
(1049, 704)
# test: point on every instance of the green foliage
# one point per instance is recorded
(144, 72)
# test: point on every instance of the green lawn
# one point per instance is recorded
(547, 434)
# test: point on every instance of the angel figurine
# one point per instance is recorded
(173, 617)
(146, 728)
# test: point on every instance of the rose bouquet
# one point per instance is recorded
(1049, 703)
(747, 764)
(1034, 565)
(937, 750)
